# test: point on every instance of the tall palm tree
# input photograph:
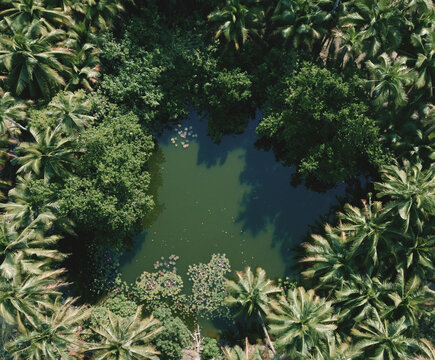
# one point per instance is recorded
(23, 298)
(301, 22)
(359, 296)
(411, 190)
(11, 112)
(251, 295)
(347, 45)
(20, 13)
(390, 78)
(381, 339)
(55, 336)
(424, 64)
(302, 321)
(365, 227)
(237, 22)
(70, 111)
(126, 341)
(33, 61)
(329, 259)
(49, 156)
(380, 24)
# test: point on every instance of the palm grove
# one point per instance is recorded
(345, 88)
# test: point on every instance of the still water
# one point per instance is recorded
(228, 198)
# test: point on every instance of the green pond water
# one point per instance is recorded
(228, 198)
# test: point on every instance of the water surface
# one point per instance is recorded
(228, 198)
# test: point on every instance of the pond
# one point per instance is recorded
(223, 198)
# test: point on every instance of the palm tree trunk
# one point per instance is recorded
(266, 334)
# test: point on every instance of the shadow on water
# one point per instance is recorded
(154, 167)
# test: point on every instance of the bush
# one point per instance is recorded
(109, 194)
(229, 102)
(175, 336)
(210, 349)
(321, 123)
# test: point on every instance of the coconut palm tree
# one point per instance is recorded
(49, 156)
(334, 351)
(424, 64)
(302, 321)
(32, 60)
(328, 258)
(55, 336)
(380, 24)
(237, 22)
(25, 206)
(70, 111)
(411, 190)
(382, 339)
(85, 61)
(126, 341)
(365, 227)
(99, 14)
(20, 13)
(251, 295)
(27, 252)
(237, 353)
(411, 299)
(11, 111)
(415, 252)
(389, 79)
(347, 45)
(360, 295)
(301, 22)
(23, 298)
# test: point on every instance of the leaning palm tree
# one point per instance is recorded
(126, 341)
(11, 112)
(55, 336)
(237, 22)
(49, 156)
(381, 339)
(71, 111)
(328, 259)
(389, 79)
(251, 295)
(411, 190)
(19, 13)
(302, 321)
(23, 298)
(33, 61)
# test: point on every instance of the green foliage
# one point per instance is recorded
(174, 337)
(210, 349)
(109, 193)
(229, 101)
(322, 125)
